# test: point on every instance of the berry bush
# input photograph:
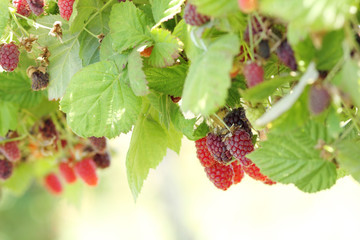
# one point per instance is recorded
(268, 89)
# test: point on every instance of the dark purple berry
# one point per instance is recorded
(286, 55)
(217, 148)
(192, 17)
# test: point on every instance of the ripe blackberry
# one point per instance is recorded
(66, 8)
(238, 172)
(203, 154)
(253, 171)
(22, 7)
(254, 74)
(239, 144)
(217, 148)
(9, 56)
(192, 17)
(264, 49)
(319, 99)
(67, 172)
(86, 169)
(220, 175)
(6, 169)
(11, 151)
(286, 55)
(102, 160)
(36, 6)
(53, 184)
(99, 144)
(238, 118)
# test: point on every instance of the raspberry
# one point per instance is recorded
(99, 144)
(247, 6)
(286, 55)
(254, 74)
(268, 181)
(48, 131)
(220, 175)
(146, 52)
(86, 169)
(319, 99)
(253, 171)
(66, 8)
(6, 169)
(11, 151)
(239, 144)
(22, 7)
(9, 57)
(217, 148)
(238, 118)
(238, 172)
(264, 49)
(192, 17)
(67, 172)
(203, 154)
(53, 184)
(36, 6)
(102, 160)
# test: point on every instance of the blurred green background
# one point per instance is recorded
(179, 202)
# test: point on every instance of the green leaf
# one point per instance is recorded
(128, 26)
(168, 80)
(233, 97)
(208, 80)
(174, 139)
(20, 180)
(186, 126)
(147, 148)
(107, 53)
(137, 76)
(304, 50)
(81, 13)
(164, 10)
(4, 15)
(216, 8)
(317, 15)
(161, 103)
(348, 156)
(99, 103)
(64, 59)
(8, 117)
(330, 52)
(16, 87)
(166, 48)
(292, 158)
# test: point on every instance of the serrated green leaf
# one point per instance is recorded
(348, 156)
(128, 26)
(174, 139)
(4, 15)
(107, 53)
(166, 48)
(292, 158)
(137, 76)
(147, 148)
(81, 13)
(8, 117)
(168, 80)
(16, 87)
(164, 10)
(99, 103)
(330, 52)
(216, 8)
(208, 80)
(64, 58)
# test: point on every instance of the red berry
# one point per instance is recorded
(238, 118)
(6, 169)
(102, 160)
(239, 144)
(36, 6)
(86, 169)
(269, 181)
(67, 172)
(11, 151)
(99, 144)
(192, 17)
(286, 55)
(146, 52)
(175, 99)
(254, 74)
(53, 184)
(220, 175)
(247, 6)
(9, 57)
(48, 131)
(203, 154)
(319, 99)
(22, 7)
(253, 171)
(238, 172)
(66, 8)
(217, 148)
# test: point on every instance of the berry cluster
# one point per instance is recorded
(224, 155)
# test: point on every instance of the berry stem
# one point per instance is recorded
(13, 15)
(251, 38)
(92, 34)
